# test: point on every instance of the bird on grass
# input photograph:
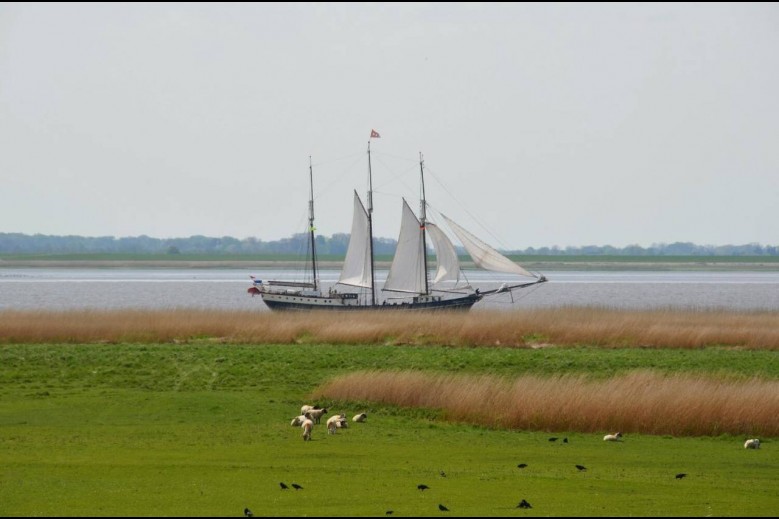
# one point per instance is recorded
(680, 476)
(283, 486)
(522, 465)
(247, 512)
(524, 504)
(581, 467)
(422, 487)
(553, 439)
(443, 508)
(389, 512)
(565, 440)
(296, 486)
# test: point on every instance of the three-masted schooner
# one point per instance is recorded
(408, 273)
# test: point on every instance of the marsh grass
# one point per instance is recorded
(639, 402)
(671, 328)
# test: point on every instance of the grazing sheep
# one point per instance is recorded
(754, 443)
(307, 408)
(298, 420)
(307, 425)
(316, 414)
(335, 422)
(612, 437)
(360, 417)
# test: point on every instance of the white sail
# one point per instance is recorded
(357, 265)
(407, 272)
(448, 265)
(485, 256)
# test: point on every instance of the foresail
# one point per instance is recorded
(448, 265)
(407, 272)
(357, 265)
(485, 256)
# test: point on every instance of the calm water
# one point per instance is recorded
(63, 289)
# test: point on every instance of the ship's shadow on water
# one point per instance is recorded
(226, 289)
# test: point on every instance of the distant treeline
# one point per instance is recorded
(18, 243)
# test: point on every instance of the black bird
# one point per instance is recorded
(443, 508)
(247, 512)
(565, 440)
(389, 512)
(283, 486)
(680, 476)
(524, 504)
(296, 486)
(581, 467)
(553, 439)
(522, 465)
(422, 487)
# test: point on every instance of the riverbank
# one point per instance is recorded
(573, 264)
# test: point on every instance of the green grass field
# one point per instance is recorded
(202, 429)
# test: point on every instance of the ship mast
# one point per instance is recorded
(311, 228)
(370, 225)
(422, 217)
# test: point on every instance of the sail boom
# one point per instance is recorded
(404, 291)
(509, 288)
(353, 284)
(300, 284)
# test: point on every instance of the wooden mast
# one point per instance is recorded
(370, 225)
(311, 222)
(422, 219)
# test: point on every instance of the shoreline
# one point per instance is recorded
(540, 266)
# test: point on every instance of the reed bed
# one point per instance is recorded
(639, 402)
(670, 328)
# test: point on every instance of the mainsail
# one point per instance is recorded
(485, 256)
(407, 272)
(357, 265)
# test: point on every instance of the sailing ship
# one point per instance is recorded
(446, 289)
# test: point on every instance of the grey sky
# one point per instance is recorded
(551, 124)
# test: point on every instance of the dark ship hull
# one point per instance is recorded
(293, 302)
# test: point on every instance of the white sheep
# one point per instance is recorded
(307, 425)
(307, 408)
(335, 422)
(754, 443)
(331, 424)
(316, 414)
(298, 420)
(612, 437)
(360, 417)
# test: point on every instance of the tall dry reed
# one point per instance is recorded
(640, 402)
(521, 328)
